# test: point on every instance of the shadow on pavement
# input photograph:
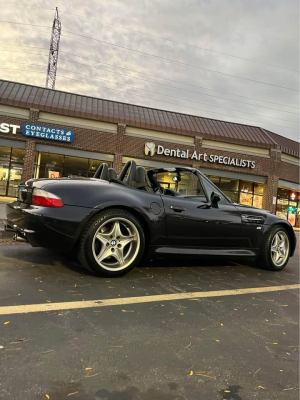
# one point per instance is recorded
(68, 259)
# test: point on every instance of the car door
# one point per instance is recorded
(192, 222)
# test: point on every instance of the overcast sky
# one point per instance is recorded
(264, 31)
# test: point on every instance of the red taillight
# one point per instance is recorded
(43, 198)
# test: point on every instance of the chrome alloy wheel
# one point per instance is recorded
(280, 248)
(116, 244)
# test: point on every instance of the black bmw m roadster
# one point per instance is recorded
(113, 221)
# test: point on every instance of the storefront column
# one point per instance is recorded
(28, 167)
(34, 115)
(272, 181)
(119, 148)
(198, 144)
(271, 192)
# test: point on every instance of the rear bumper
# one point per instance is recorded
(45, 226)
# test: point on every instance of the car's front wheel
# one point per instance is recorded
(112, 243)
(275, 251)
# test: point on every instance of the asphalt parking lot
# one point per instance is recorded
(235, 345)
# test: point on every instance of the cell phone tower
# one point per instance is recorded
(53, 53)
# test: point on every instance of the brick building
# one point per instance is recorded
(49, 133)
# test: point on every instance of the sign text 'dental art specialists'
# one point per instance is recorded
(151, 148)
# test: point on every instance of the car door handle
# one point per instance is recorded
(177, 209)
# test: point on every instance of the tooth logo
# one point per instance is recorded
(149, 148)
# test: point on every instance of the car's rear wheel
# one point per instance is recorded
(112, 243)
(275, 250)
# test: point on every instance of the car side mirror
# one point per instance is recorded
(214, 199)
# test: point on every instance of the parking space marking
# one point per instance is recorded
(33, 308)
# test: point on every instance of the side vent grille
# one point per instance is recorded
(253, 219)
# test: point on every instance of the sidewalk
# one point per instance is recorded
(3, 202)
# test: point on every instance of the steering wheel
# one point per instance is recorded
(131, 166)
(102, 172)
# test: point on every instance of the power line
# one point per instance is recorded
(172, 80)
(175, 97)
(156, 36)
(25, 5)
(25, 70)
(174, 87)
(159, 57)
(149, 98)
(178, 42)
(170, 86)
(150, 91)
(24, 52)
(20, 45)
(176, 62)
(182, 105)
(21, 23)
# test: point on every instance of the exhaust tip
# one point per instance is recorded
(18, 238)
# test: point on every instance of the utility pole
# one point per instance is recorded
(53, 53)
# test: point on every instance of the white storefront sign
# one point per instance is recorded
(151, 149)
(6, 128)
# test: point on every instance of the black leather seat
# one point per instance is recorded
(140, 180)
(105, 173)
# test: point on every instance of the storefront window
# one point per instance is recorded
(258, 195)
(80, 165)
(5, 153)
(246, 193)
(258, 188)
(243, 192)
(48, 165)
(292, 212)
(288, 206)
(282, 203)
(257, 201)
(230, 187)
(17, 156)
(246, 198)
(246, 187)
(11, 168)
(215, 180)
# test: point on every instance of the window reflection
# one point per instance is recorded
(288, 206)
(11, 168)
(48, 165)
(183, 182)
(241, 191)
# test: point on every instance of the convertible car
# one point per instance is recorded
(112, 221)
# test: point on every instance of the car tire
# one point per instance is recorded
(112, 243)
(276, 245)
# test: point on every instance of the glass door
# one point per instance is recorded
(15, 175)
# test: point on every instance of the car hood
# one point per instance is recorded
(244, 208)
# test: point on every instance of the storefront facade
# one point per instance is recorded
(44, 139)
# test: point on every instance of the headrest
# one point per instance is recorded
(140, 175)
(111, 174)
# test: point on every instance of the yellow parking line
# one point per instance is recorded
(31, 308)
